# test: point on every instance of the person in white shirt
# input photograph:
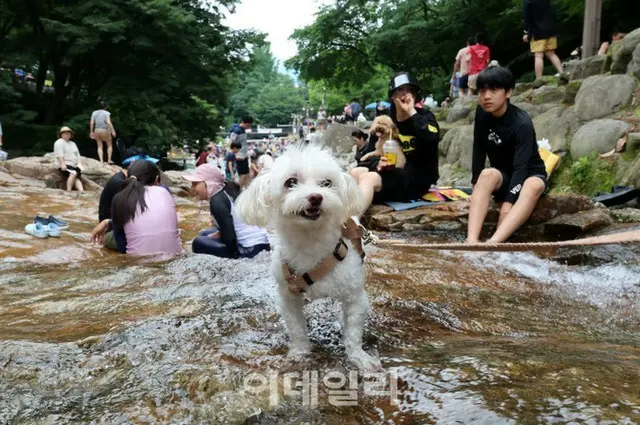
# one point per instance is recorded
(68, 159)
(265, 162)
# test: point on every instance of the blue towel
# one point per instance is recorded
(403, 206)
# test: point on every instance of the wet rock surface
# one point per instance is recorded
(87, 336)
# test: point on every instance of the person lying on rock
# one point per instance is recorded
(113, 186)
(145, 212)
(419, 135)
(230, 237)
(517, 176)
(68, 159)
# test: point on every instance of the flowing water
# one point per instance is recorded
(92, 337)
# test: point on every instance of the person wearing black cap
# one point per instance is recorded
(419, 135)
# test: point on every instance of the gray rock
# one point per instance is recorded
(452, 175)
(459, 147)
(457, 113)
(601, 96)
(522, 88)
(633, 143)
(569, 226)
(598, 135)
(626, 215)
(621, 52)
(547, 94)
(558, 125)
(338, 138)
(634, 66)
(588, 67)
(571, 91)
(533, 110)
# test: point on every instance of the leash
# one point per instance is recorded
(621, 238)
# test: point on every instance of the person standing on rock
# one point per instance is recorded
(517, 177)
(238, 133)
(419, 135)
(102, 131)
(540, 32)
(462, 65)
(479, 57)
(68, 159)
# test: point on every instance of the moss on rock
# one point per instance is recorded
(587, 176)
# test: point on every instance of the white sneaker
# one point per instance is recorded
(37, 230)
(52, 230)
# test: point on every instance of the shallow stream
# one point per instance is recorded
(92, 337)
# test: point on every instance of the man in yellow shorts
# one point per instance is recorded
(540, 31)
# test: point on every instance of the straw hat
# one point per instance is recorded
(63, 130)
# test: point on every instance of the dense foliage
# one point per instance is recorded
(352, 41)
(164, 67)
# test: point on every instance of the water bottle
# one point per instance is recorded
(391, 151)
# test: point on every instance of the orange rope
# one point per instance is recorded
(628, 237)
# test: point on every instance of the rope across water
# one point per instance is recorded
(632, 236)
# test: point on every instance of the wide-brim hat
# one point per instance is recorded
(403, 79)
(64, 130)
(211, 175)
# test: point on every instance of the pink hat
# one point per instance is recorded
(211, 175)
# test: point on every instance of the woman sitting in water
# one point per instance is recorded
(231, 237)
(144, 212)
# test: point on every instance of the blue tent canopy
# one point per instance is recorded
(373, 105)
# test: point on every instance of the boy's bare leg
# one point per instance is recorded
(489, 181)
(515, 216)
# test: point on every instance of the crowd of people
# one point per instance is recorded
(138, 216)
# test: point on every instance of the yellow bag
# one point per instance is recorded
(550, 159)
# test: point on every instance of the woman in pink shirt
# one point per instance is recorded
(145, 213)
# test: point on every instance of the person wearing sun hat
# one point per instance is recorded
(230, 237)
(68, 159)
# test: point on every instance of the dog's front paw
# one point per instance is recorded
(299, 350)
(364, 361)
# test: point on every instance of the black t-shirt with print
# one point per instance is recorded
(419, 137)
(511, 145)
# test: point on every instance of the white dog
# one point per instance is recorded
(306, 198)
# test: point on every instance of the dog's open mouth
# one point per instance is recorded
(312, 213)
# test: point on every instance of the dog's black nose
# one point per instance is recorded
(315, 200)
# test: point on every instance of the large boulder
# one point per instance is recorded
(601, 96)
(533, 110)
(569, 226)
(522, 88)
(457, 146)
(621, 52)
(457, 113)
(633, 68)
(588, 67)
(454, 175)
(44, 168)
(599, 135)
(633, 144)
(338, 138)
(547, 94)
(571, 91)
(453, 215)
(558, 125)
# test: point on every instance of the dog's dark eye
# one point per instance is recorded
(326, 183)
(291, 182)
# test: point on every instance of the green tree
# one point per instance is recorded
(164, 67)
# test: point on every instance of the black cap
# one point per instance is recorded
(403, 79)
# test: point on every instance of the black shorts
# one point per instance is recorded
(396, 187)
(66, 172)
(464, 82)
(500, 194)
(243, 166)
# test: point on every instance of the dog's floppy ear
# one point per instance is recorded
(255, 202)
(351, 196)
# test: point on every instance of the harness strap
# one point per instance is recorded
(296, 283)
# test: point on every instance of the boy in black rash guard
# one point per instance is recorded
(517, 177)
(419, 135)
